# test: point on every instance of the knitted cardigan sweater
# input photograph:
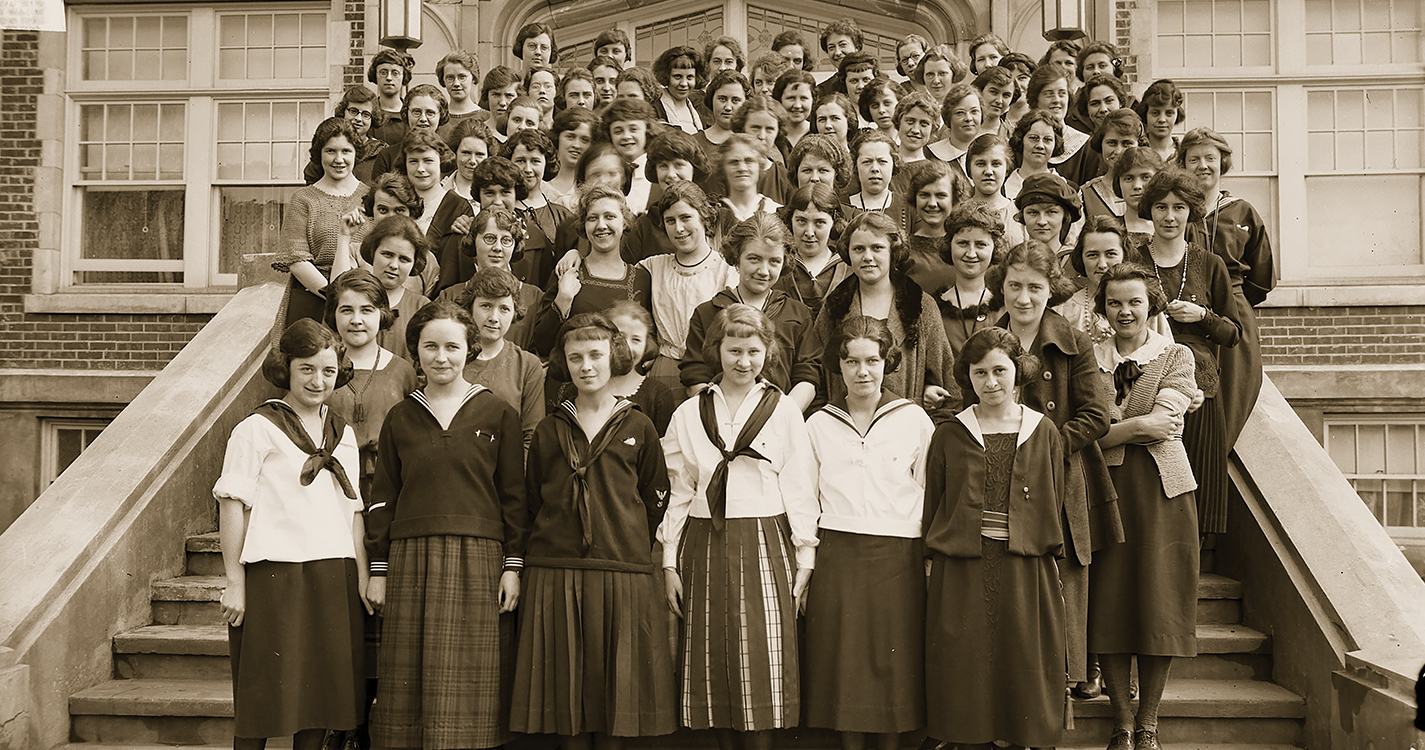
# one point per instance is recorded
(1167, 378)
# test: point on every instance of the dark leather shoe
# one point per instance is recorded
(1146, 739)
(1122, 739)
(1092, 688)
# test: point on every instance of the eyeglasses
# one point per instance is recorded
(505, 241)
(352, 113)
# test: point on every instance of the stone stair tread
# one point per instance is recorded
(189, 589)
(155, 698)
(1214, 586)
(189, 640)
(208, 542)
(1215, 699)
(1222, 638)
(1175, 746)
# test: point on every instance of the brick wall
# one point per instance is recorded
(1123, 14)
(1342, 335)
(354, 71)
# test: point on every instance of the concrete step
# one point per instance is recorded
(1214, 586)
(188, 600)
(205, 555)
(173, 652)
(1206, 711)
(161, 712)
(1227, 652)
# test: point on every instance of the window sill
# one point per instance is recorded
(204, 302)
(1346, 295)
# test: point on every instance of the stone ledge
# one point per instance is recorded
(1337, 382)
(129, 303)
(72, 386)
(1360, 294)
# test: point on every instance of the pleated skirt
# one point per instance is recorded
(593, 655)
(297, 659)
(738, 655)
(994, 649)
(1143, 591)
(1205, 438)
(1241, 371)
(446, 660)
(864, 654)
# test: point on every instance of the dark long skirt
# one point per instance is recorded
(865, 635)
(593, 655)
(1204, 437)
(297, 659)
(301, 304)
(1143, 592)
(994, 649)
(739, 661)
(1241, 370)
(446, 651)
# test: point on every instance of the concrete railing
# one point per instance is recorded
(1345, 609)
(76, 567)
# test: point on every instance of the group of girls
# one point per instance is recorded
(978, 357)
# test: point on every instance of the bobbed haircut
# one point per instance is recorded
(1037, 257)
(569, 120)
(874, 90)
(626, 110)
(737, 140)
(397, 186)
(881, 225)
(1164, 94)
(459, 57)
(740, 321)
(304, 338)
(1174, 180)
(975, 216)
(387, 56)
(599, 150)
(533, 140)
(1081, 100)
(681, 56)
(1131, 271)
(431, 91)
(671, 145)
(604, 61)
(1000, 76)
(1204, 137)
(589, 327)
(591, 194)
(726, 78)
(1021, 129)
(359, 94)
(497, 170)
(817, 196)
(1121, 121)
(845, 27)
(1134, 158)
(498, 77)
(760, 227)
(978, 346)
(759, 103)
(1102, 224)
(683, 191)
(626, 308)
(532, 30)
(504, 219)
(990, 38)
(529, 78)
(362, 282)
(613, 36)
(1043, 77)
(856, 62)
(1008, 62)
(417, 141)
(837, 99)
(941, 52)
(401, 227)
(477, 129)
(928, 171)
(732, 45)
(858, 327)
(441, 310)
(646, 83)
(917, 100)
(1098, 48)
(823, 147)
(332, 127)
(493, 283)
(791, 77)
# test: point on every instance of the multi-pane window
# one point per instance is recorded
(193, 129)
(61, 442)
(693, 29)
(1214, 33)
(1385, 461)
(1356, 32)
(764, 24)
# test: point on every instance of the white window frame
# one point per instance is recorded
(49, 443)
(1371, 420)
(201, 92)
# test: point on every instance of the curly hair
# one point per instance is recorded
(1204, 137)
(974, 216)
(1101, 224)
(873, 91)
(401, 227)
(1131, 271)
(304, 338)
(1121, 121)
(742, 140)
(684, 57)
(1016, 139)
(845, 27)
(740, 321)
(646, 83)
(360, 94)
(1098, 48)
(497, 170)
(1037, 257)
(760, 227)
(591, 194)
(589, 327)
(441, 310)
(908, 40)
(504, 219)
(683, 191)
(1068, 46)
(759, 103)
(418, 141)
(917, 100)
(929, 171)
(1163, 94)
(732, 45)
(823, 147)
(990, 38)
(1137, 157)
(725, 78)
(1172, 179)
(533, 140)
(771, 65)
(1081, 101)
(978, 346)
(387, 56)
(459, 57)
(364, 283)
(397, 186)
(493, 283)
(531, 31)
(332, 127)
(865, 327)
(879, 224)
(434, 93)
(958, 92)
(569, 120)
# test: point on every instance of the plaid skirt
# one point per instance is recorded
(446, 652)
(593, 655)
(739, 647)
